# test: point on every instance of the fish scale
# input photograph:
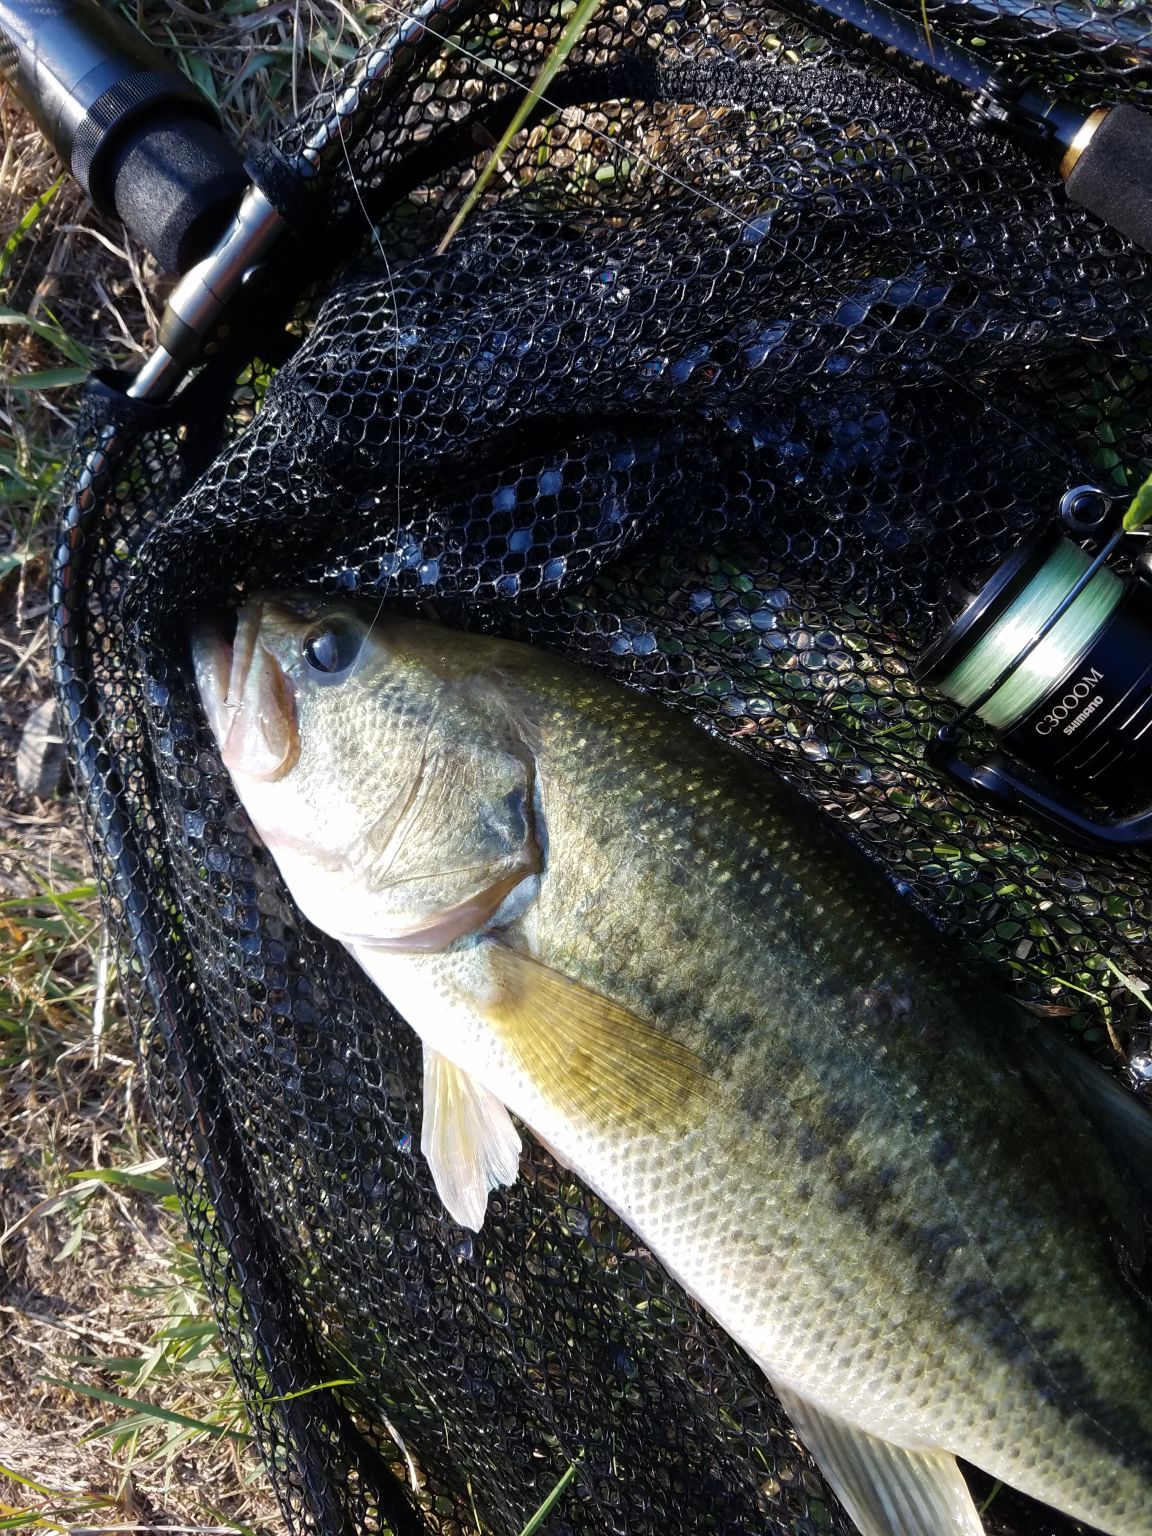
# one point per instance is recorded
(906, 1218)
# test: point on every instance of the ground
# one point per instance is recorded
(99, 1296)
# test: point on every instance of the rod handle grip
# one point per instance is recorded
(1112, 175)
(138, 136)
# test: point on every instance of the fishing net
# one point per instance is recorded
(750, 349)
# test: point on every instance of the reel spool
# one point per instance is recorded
(1054, 653)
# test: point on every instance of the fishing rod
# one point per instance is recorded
(1104, 155)
(142, 141)
(147, 146)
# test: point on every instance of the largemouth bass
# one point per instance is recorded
(866, 1164)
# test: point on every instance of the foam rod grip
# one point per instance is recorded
(1113, 176)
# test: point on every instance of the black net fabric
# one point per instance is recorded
(750, 349)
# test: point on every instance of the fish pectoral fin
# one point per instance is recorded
(598, 1061)
(886, 1489)
(468, 1139)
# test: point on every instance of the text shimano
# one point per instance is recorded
(1072, 701)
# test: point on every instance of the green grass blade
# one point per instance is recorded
(321, 1386)
(129, 1178)
(13, 241)
(549, 1503)
(41, 1488)
(201, 75)
(149, 1410)
(1140, 507)
(53, 334)
(571, 35)
(46, 378)
(1132, 984)
(996, 1488)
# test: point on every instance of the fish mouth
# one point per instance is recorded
(214, 634)
(247, 696)
(226, 643)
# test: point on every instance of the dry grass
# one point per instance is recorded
(98, 1289)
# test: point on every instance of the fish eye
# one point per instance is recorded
(331, 647)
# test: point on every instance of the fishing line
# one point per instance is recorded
(396, 364)
(753, 226)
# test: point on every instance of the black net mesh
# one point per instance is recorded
(751, 348)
